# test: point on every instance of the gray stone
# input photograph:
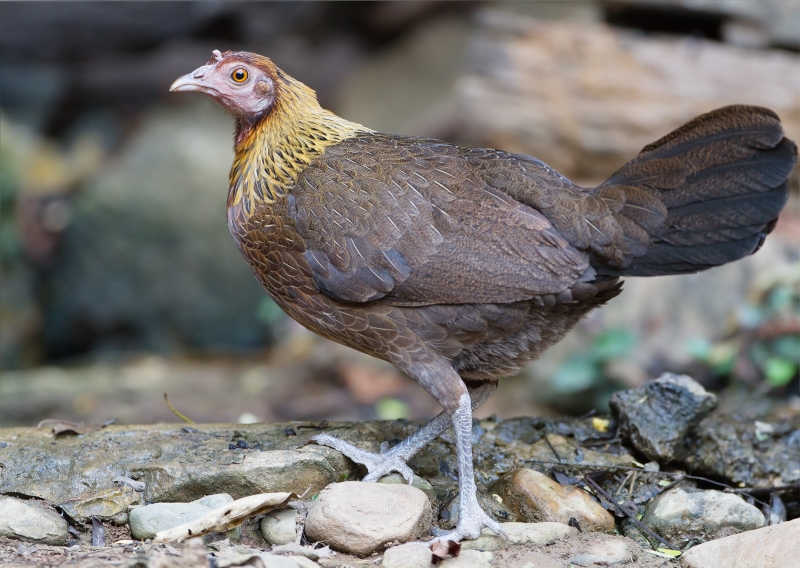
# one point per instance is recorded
(731, 449)
(776, 546)
(214, 501)
(611, 551)
(359, 518)
(680, 515)
(266, 560)
(409, 555)
(279, 527)
(148, 520)
(108, 505)
(469, 559)
(538, 534)
(657, 418)
(27, 521)
(418, 482)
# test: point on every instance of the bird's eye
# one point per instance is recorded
(239, 75)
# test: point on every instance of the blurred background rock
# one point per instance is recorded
(120, 280)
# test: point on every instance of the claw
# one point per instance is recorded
(377, 465)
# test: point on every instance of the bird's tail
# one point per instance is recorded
(704, 195)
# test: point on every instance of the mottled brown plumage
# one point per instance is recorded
(460, 265)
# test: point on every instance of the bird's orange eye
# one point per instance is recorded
(239, 75)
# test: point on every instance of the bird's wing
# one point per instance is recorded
(407, 220)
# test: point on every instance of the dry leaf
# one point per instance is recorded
(226, 517)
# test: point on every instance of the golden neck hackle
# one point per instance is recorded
(270, 154)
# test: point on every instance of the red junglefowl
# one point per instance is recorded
(461, 265)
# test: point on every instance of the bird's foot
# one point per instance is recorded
(377, 465)
(469, 528)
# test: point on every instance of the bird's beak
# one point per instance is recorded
(186, 83)
(194, 81)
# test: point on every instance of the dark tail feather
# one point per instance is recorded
(704, 195)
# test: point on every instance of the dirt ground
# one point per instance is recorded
(15, 554)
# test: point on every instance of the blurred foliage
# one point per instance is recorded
(392, 409)
(763, 346)
(585, 381)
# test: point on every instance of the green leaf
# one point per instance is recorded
(268, 311)
(788, 347)
(779, 372)
(613, 344)
(698, 347)
(391, 409)
(576, 375)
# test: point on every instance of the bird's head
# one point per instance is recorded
(246, 84)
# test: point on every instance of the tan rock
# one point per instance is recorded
(535, 497)
(586, 97)
(777, 546)
(359, 518)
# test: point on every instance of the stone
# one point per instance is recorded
(359, 518)
(108, 505)
(25, 520)
(469, 559)
(266, 560)
(611, 551)
(279, 527)
(409, 555)
(148, 520)
(537, 534)
(658, 417)
(534, 497)
(731, 449)
(777, 546)
(418, 482)
(680, 515)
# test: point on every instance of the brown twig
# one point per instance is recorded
(632, 516)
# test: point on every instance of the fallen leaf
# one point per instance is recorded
(226, 517)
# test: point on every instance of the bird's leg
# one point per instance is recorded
(472, 519)
(395, 459)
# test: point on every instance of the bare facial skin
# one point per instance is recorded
(242, 88)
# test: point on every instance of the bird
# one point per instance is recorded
(460, 265)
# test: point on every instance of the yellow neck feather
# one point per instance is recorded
(271, 154)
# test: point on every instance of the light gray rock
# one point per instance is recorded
(359, 518)
(610, 551)
(418, 482)
(266, 560)
(409, 555)
(148, 520)
(27, 521)
(538, 534)
(279, 527)
(469, 559)
(777, 546)
(680, 515)
(657, 418)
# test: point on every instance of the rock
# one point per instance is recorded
(418, 482)
(167, 185)
(279, 527)
(148, 520)
(777, 546)
(266, 560)
(657, 418)
(359, 518)
(534, 497)
(611, 551)
(30, 522)
(177, 464)
(109, 505)
(409, 555)
(680, 515)
(731, 449)
(538, 534)
(586, 97)
(469, 559)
